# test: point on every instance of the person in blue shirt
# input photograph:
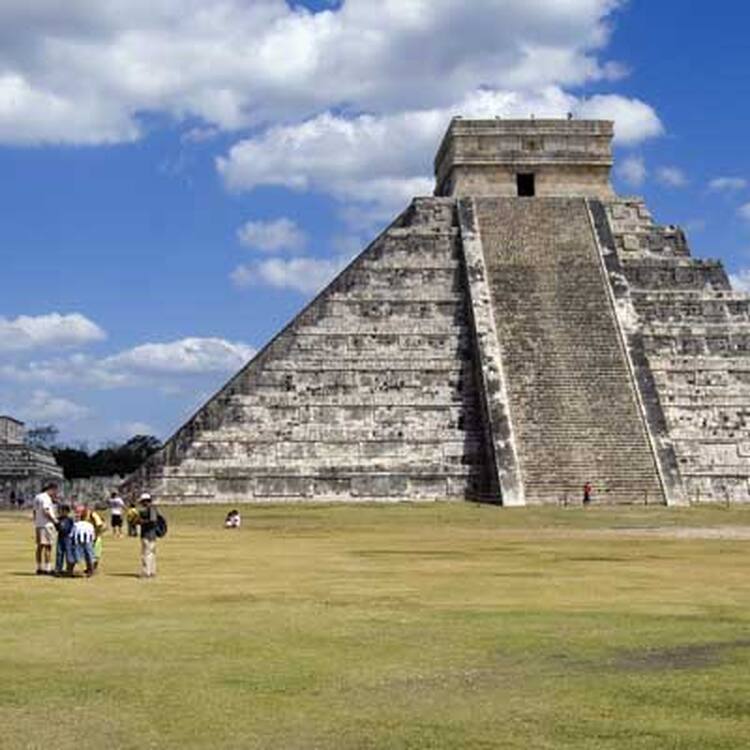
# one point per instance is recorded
(65, 557)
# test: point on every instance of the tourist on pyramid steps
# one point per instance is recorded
(84, 536)
(588, 493)
(116, 509)
(148, 520)
(233, 520)
(45, 519)
(65, 558)
(131, 516)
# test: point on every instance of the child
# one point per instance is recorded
(132, 519)
(96, 520)
(84, 535)
(65, 558)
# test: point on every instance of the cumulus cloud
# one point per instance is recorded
(45, 407)
(272, 236)
(744, 211)
(127, 430)
(147, 364)
(740, 280)
(304, 275)
(635, 121)
(727, 184)
(83, 72)
(54, 330)
(377, 163)
(672, 177)
(632, 170)
(189, 356)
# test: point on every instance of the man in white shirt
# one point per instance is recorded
(116, 508)
(45, 520)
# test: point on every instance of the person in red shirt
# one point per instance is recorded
(588, 492)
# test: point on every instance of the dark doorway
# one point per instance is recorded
(526, 185)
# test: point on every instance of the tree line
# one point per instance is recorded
(78, 462)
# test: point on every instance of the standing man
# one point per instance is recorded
(116, 508)
(147, 520)
(45, 520)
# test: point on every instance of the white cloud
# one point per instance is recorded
(127, 430)
(54, 330)
(156, 364)
(740, 280)
(672, 177)
(272, 236)
(744, 211)
(632, 170)
(304, 275)
(44, 407)
(635, 121)
(190, 356)
(82, 71)
(727, 184)
(375, 164)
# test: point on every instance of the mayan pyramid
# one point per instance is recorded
(520, 333)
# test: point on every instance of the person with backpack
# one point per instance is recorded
(153, 526)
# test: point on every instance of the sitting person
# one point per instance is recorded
(233, 520)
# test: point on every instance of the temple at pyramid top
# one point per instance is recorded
(526, 158)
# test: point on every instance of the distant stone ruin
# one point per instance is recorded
(519, 334)
(22, 467)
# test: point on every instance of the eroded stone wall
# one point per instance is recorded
(370, 393)
(696, 342)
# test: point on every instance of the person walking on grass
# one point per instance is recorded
(116, 509)
(148, 519)
(45, 520)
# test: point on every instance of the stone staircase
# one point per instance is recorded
(572, 401)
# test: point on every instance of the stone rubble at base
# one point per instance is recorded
(493, 347)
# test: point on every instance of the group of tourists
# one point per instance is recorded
(75, 531)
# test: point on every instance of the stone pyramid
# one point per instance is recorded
(517, 335)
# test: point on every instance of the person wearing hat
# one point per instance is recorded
(147, 520)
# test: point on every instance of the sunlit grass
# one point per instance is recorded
(436, 626)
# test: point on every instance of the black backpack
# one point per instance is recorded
(161, 526)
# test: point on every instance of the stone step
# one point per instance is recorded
(572, 403)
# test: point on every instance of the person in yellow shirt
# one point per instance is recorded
(95, 519)
(131, 517)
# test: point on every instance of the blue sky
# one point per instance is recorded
(182, 175)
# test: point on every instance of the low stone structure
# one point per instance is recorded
(520, 333)
(22, 467)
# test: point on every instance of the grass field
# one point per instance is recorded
(437, 626)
